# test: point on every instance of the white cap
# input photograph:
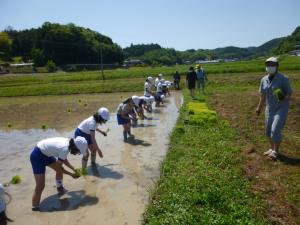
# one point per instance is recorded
(150, 79)
(2, 199)
(136, 100)
(104, 113)
(272, 59)
(160, 75)
(81, 144)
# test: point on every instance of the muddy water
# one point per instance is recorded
(115, 191)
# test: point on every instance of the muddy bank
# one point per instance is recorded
(115, 191)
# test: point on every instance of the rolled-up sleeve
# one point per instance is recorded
(261, 89)
(287, 86)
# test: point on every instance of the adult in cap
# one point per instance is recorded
(275, 90)
(53, 152)
(201, 78)
(126, 115)
(87, 129)
(3, 218)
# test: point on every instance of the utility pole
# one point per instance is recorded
(101, 63)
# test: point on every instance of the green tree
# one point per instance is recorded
(38, 57)
(5, 45)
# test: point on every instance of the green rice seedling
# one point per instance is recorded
(279, 94)
(200, 113)
(85, 104)
(15, 179)
(69, 110)
(84, 171)
(81, 172)
(44, 126)
(79, 101)
(9, 125)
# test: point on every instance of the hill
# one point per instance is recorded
(171, 56)
(63, 44)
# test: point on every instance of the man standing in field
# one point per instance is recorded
(201, 78)
(276, 91)
(191, 78)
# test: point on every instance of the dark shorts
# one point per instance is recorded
(121, 120)
(157, 96)
(191, 84)
(39, 161)
(87, 137)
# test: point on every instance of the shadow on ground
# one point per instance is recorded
(289, 160)
(67, 202)
(135, 141)
(104, 172)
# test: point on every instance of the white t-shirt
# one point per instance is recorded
(157, 81)
(57, 147)
(123, 108)
(2, 199)
(147, 88)
(88, 125)
(159, 87)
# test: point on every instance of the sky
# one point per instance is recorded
(179, 24)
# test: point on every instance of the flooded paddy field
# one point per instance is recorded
(115, 190)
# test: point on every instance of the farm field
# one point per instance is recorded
(118, 80)
(217, 174)
(214, 172)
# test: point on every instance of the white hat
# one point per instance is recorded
(136, 100)
(2, 199)
(150, 79)
(81, 144)
(160, 75)
(272, 59)
(104, 113)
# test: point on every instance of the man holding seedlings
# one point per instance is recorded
(276, 91)
(191, 78)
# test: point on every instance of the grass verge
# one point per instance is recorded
(201, 179)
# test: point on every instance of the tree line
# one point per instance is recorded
(70, 44)
(64, 44)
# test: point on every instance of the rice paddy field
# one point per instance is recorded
(214, 171)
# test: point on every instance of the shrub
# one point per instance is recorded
(51, 67)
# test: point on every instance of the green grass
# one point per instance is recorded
(66, 88)
(201, 180)
(61, 82)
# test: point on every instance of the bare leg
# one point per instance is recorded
(93, 153)
(276, 146)
(271, 144)
(39, 187)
